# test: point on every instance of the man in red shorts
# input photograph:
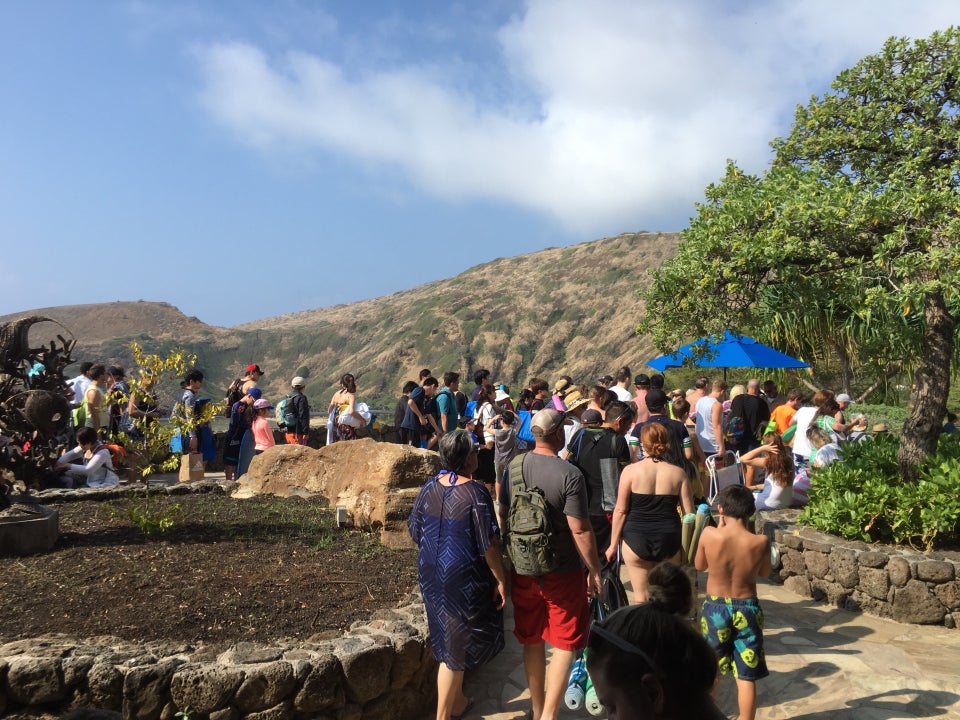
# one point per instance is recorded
(553, 608)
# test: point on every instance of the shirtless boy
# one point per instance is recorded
(732, 621)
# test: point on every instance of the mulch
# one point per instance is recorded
(226, 570)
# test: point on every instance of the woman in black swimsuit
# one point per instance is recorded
(645, 517)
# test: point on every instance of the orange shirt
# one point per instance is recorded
(781, 415)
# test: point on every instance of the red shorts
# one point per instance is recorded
(294, 439)
(553, 608)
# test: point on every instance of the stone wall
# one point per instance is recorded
(893, 582)
(382, 669)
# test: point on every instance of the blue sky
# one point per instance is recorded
(242, 160)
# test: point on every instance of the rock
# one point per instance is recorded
(35, 680)
(277, 712)
(205, 688)
(376, 482)
(873, 559)
(406, 661)
(75, 669)
(833, 592)
(898, 569)
(874, 582)
(820, 543)
(949, 594)
(350, 711)
(914, 603)
(397, 705)
(322, 688)
(146, 690)
(792, 562)
(105, 686)
(937, 571)
(227, 713)
(843, 566)
(366, 667)
(794, 542)
(798, 584)
(265, 686)
(816, 563)
(250, 653)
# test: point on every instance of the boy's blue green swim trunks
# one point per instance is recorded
(734, 628)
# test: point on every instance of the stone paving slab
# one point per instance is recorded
(825, 664)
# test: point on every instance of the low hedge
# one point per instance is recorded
(864, 497)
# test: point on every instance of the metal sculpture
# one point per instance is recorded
(34, 403)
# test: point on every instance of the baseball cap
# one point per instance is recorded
(298, 382)
(255, 393)
(641, 379)
(545, 422)
(656, 399)
(605, 379)
(261, 404)
(254, 368)
(591, 416)
(843, 397)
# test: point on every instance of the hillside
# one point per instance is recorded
(566, 310)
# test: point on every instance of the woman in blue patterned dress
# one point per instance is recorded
(460, 570)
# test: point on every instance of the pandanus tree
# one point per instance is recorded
(857, 219)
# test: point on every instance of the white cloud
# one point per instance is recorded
(635, 105)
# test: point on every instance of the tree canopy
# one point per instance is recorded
(850, 238)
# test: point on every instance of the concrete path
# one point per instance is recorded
(825, 664)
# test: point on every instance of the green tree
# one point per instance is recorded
(860, 206)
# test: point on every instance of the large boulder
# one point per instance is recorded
(376, 482)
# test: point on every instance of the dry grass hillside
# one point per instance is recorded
(566, 310)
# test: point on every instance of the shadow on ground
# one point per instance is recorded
(926, 703)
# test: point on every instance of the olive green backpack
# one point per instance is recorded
(529, 540)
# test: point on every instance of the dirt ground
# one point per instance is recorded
(224, 571)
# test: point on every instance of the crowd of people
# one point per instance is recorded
(564, 478)
(619, 466)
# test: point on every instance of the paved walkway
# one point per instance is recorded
(825, 664)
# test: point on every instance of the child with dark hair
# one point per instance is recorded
(646, 661)
(402, 433)
(504, 429)
(732, 620)
(669, 587)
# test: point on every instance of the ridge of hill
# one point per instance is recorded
(570, 310)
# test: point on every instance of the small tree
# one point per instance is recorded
(861, 205)
(152, 450)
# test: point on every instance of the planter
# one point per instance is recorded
(26, 529)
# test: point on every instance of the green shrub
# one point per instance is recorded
(864, 497)
(151, 515)
(893, 415)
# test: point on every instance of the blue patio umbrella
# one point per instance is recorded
(732, 351)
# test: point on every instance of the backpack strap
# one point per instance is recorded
(516, 478)
(578, 439)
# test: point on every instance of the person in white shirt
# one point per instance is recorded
(80, 383)
(98, 468)
(622, 388)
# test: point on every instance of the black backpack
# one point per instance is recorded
(234, 394)
(613, 595)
